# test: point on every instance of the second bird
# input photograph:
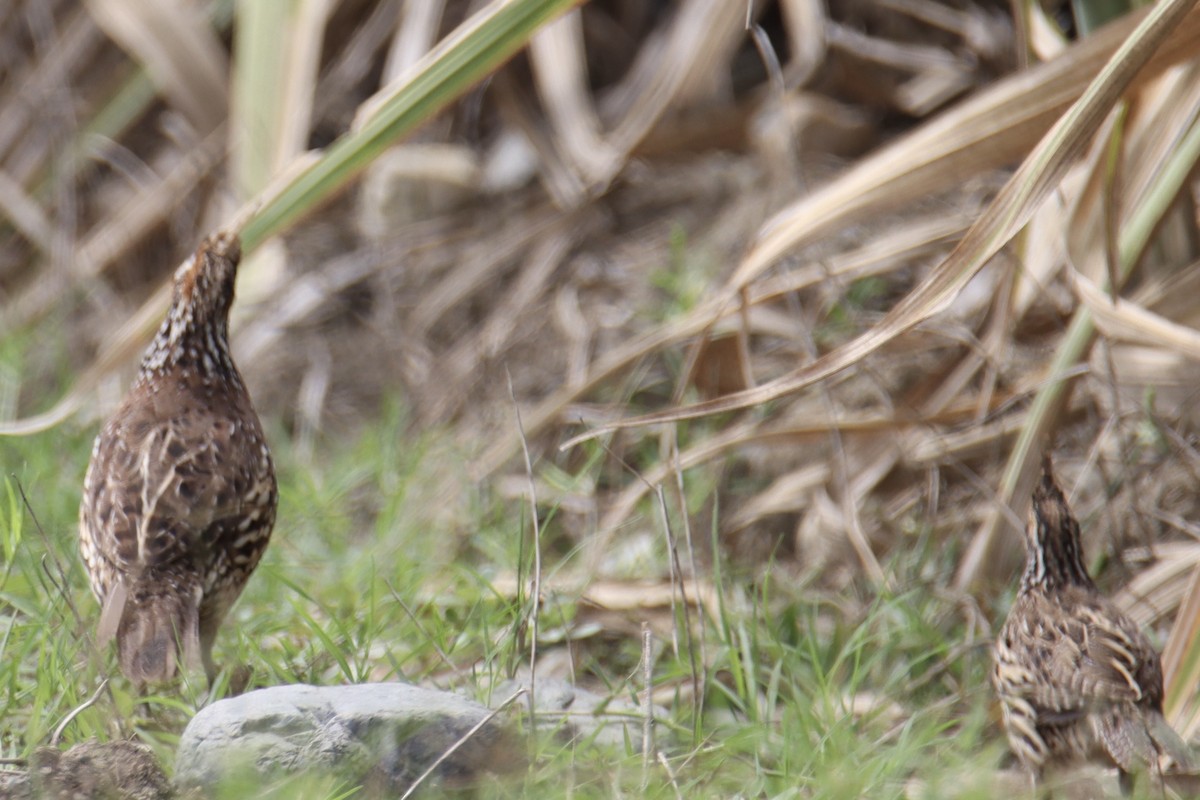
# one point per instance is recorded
(179, 498)
(1077, 679)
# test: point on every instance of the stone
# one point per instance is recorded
(14, 785)
(117, 770)
(379, 735)
(581, 715)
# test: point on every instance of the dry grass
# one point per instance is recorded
(858, 253)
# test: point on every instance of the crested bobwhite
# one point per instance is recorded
(1077, 680)
(179, 498)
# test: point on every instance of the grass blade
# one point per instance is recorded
(477, 47)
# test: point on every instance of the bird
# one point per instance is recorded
(179, 498)
(1077, 679)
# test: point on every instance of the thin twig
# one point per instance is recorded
(698, 681)
(766, 52)
(86, 704)
(421, 628)
(536, 587)
(673, 576)
(647, 708)
(461, 741)
(60, 585)
(677, 580)
(840, 473)
(662, 759)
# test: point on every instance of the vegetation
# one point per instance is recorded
(834, 695)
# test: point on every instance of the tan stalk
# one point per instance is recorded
(1011, 209)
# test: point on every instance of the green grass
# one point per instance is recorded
(381, 568)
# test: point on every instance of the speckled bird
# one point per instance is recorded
(179, 498)
(1077, 679)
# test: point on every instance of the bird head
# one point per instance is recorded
(1055, 553)
(204, 283)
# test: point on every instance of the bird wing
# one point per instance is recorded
(1065, 663)
(1116, 661)
(156, 484)
(1103, 665)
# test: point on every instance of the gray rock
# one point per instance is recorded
(581, 715)
(380, 735)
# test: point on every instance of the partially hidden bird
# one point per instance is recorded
(179, 498)
(1078, 681)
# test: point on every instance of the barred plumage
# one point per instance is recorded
(179, 498)
(1076, 678)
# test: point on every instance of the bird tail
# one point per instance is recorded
(1167, 742)
(154, 622)
(1137, 737)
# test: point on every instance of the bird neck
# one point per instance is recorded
(191, 342)
(1055, 560)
